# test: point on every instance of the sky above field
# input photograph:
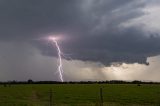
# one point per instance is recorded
(104, 39)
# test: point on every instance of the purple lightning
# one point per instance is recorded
(60, 69)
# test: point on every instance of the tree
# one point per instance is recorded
(30, 81)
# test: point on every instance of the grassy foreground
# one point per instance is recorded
(80, 94)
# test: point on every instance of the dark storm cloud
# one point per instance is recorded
(129, 46)
(93, 28)
(26, 19)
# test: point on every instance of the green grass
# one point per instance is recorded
(80, 94)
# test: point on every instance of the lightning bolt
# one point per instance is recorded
(60, 64)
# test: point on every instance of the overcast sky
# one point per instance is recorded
(106, 39)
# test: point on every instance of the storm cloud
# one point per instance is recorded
(97, 33)
(94, 28)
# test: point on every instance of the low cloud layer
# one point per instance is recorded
(31, 64)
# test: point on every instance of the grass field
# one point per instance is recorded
(80, 94)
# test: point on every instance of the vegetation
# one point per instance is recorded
(79, 94)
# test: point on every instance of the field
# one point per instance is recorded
(80, 95)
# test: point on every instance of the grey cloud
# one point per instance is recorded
(94, 28)
(21, 62)
(130, 46)
(31, 64)
(28, 19)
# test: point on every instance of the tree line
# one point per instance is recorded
(80, 82)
